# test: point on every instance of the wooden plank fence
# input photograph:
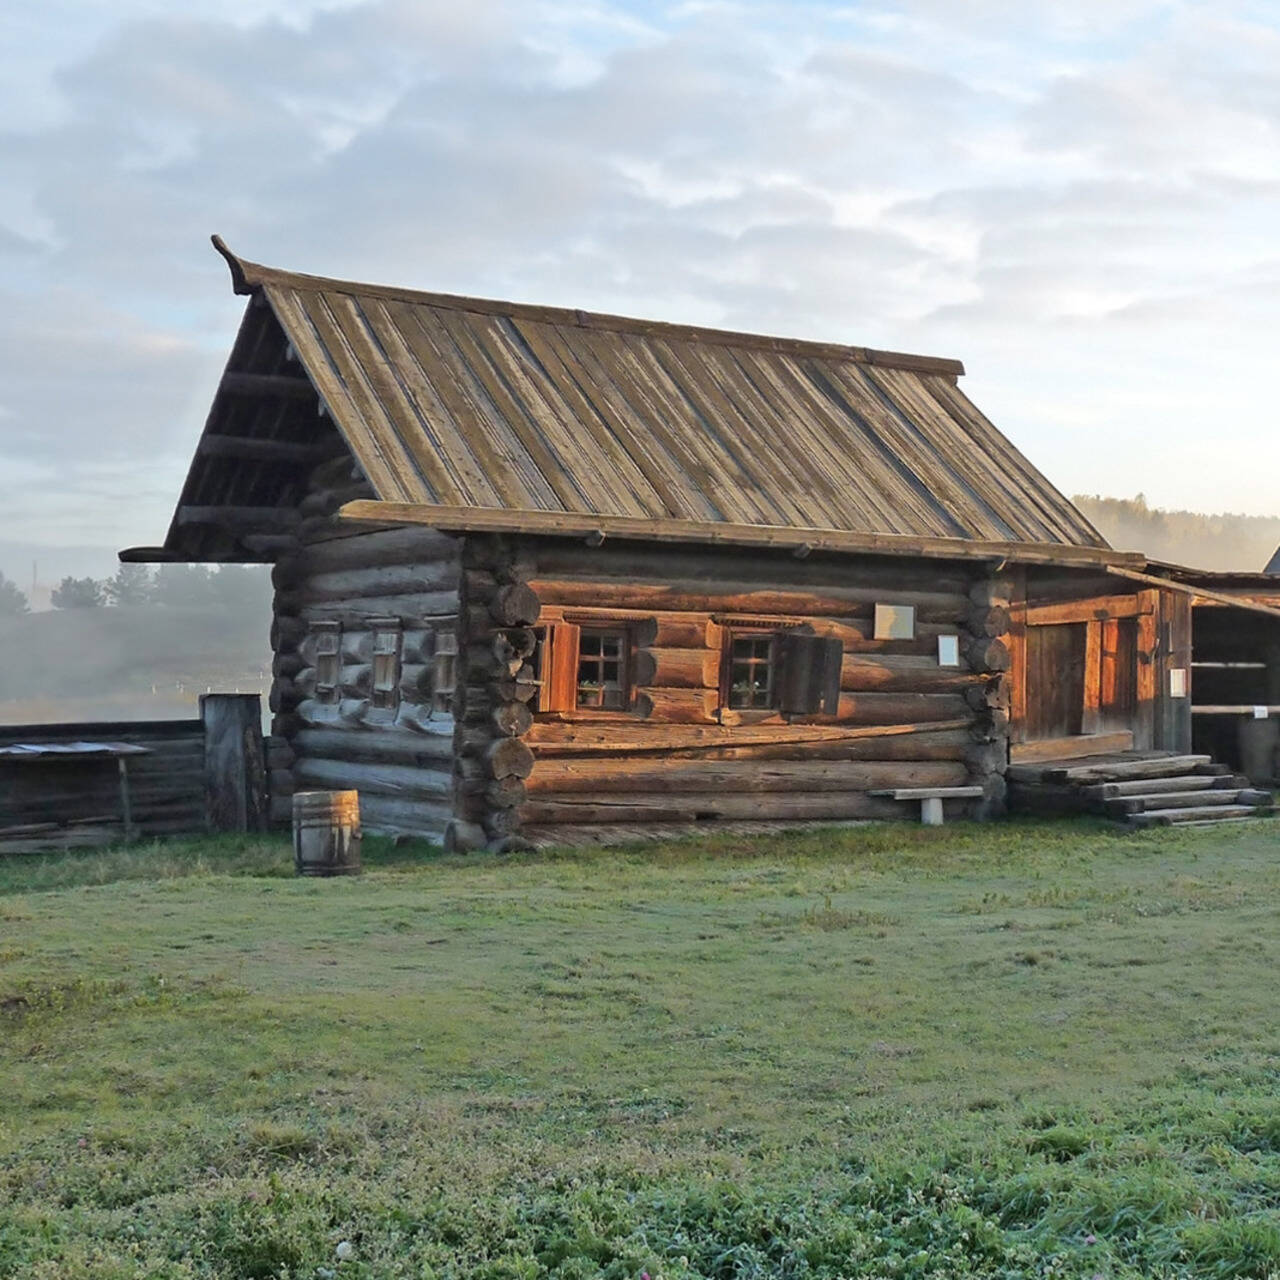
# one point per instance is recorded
(197, 776)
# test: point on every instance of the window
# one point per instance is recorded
(386, 664)
(444, 672)
(327, 637)
(602, 670)
(788, 670)
(751, 671)
(583, 668)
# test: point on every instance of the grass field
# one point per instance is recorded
(1017, 1050)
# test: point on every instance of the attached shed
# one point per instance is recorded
(541, 572)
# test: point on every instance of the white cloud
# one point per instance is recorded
(1078, 199)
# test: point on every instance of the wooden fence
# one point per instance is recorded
(197, 775)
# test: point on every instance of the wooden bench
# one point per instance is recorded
(931, 799)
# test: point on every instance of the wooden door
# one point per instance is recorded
(1056, 680)
(1118, 697)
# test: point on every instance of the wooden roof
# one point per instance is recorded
(512, 415)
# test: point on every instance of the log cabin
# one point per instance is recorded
(545, 575)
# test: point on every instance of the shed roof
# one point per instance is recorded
(496, 414)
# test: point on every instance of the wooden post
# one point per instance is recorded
(234, 764)
(126, 805)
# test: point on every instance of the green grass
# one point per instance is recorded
(1027, 1049)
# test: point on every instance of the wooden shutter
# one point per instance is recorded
(560, 668)
(810, 674)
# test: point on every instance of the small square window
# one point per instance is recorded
(948, 651)
(602, 670)
(752, 672)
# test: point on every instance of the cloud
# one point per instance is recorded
(1063, 196)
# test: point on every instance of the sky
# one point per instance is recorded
(1080, 200)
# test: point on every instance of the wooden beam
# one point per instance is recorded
(280, 386)
(147, 555)
(213, 445)
(1197, 593)
(249, 518)
(575, 524)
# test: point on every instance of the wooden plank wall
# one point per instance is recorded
(400, 759)
(167, 787)
(676, 757)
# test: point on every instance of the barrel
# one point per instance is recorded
(326, 833)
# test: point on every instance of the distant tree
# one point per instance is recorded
(131, 585)
(12, 601)
(77, 593)
(181, 585)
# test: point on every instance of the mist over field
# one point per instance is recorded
(1235, 542)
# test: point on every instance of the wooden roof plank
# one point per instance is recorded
(1058, 513)
(643, 419)
(987, 496)
(952, 507)
(477, 468)
(554, 467)
(856, 426)
(776, 489)
(492, 447)
(311, 333)
(814, 428)
(641, 487)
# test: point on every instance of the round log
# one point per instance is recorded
(990, 757)
(988, 655)
(464, 837)
(287, 631)
(512, 844)
(511, 719)
(505, 793)
(515, 605)
(502, 822)
(509, 757)
(989, 621)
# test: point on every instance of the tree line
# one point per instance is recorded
(226, 586)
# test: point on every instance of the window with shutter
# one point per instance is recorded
(750, 670)
(327, 642)
(444, 672)
(810, 674)
(386, 665)
(582, 668)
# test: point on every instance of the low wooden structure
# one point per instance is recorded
(1235, 706)
(541, 574)
(80, 785)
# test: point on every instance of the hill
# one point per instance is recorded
(1224, 541)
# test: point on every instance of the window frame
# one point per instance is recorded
(734, 632)
(326, 643)
(384, 693)
(557, 660)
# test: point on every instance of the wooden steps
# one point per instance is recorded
(1140, 789)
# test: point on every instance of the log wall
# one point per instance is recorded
(677, 756)
(399, 757)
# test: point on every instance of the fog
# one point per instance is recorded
(204, 631)
(1230, 542)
